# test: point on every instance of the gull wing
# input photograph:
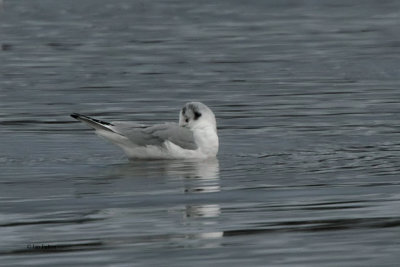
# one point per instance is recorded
(143, 135)
(139, 134)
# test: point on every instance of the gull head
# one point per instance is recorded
(195, 115)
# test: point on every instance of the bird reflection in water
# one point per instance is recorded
(197, 177)
(175, 181)
(199, 217)
(204, 178)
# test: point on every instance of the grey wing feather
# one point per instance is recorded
(180, 136)
(142, 135)
(136, 133)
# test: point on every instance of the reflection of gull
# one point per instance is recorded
(206, 169)
(194, 137)
(207, 211)
(203, 217)
(182, 193)
(205, 177)
(190, 170)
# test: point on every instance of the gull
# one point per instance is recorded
(194, 137)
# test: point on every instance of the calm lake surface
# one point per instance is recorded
(306, 95)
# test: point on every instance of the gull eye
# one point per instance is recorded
(187, 120)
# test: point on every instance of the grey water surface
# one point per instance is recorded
(306, 95)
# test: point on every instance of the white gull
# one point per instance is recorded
(195, 136)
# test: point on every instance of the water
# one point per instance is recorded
(306, 94)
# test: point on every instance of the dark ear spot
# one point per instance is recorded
(197, 115)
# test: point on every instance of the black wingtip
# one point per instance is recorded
(75, 115)
(81, 117)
